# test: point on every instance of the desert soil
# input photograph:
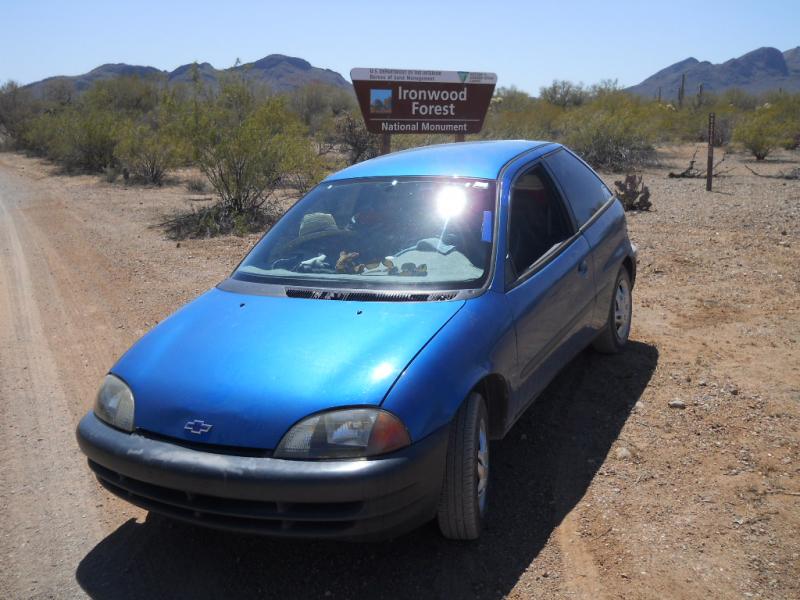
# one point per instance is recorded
(602, 490)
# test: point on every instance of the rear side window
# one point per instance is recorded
(586, 193)
(537, 220)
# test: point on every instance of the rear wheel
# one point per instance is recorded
(463, 503)
(615, 334)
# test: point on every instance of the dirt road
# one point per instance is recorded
(601, 491)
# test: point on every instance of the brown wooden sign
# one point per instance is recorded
(409, 101)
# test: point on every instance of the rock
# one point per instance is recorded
(623, 453)
(677, 403)
(639, 405)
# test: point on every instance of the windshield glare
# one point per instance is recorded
(381, 233)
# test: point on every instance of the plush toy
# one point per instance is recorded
(389, 264)
(346, 262)
(315, 264)
(410, 269)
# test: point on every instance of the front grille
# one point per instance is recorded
(203, 447)
(313, 519)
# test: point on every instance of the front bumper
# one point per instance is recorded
(313, 499)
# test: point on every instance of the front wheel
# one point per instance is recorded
(463, 503)
(615, 334)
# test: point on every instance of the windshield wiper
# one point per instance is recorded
(368, 296)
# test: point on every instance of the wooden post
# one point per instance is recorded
(460, 137)
(710, 165)
(386, 143)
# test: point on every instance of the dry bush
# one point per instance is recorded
(218, 219)
(82, 140)
(358, 143)
(633, 193)
(513, 114)
(147, 154)
(608, 141)
(760, 133)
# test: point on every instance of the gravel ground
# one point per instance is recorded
(668, 471)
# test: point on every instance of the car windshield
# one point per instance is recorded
(381, 233)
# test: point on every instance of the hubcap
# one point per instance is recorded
(483, 465)
(622, 310)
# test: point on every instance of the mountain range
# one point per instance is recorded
(757, 71)
(281, 73)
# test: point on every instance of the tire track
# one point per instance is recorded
(47, 499)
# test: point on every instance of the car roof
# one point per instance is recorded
(482, 160)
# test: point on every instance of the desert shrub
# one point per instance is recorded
(303, 174)
(738, 100)
(792, 141)
(127, 96)
(760, 133)
(16, 109)
(352, 135)
(93, 143)
(513, 114)
(246, 150)
(217, 219)
(6, 140)
(317, 103)
(787, 112)
(633, 193)
(564, 93)
(39, 134)
(610, 135)
(147, 153)
(76, 138)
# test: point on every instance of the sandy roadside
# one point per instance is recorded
(602, 490)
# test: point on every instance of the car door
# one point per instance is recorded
(549, 281)
(590, 200)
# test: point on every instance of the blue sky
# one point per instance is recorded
(527, 43)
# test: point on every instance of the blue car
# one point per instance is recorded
(345, 380)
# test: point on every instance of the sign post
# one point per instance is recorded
(415, 101)
(710, 163)
(386, 143)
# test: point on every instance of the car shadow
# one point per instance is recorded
(540, 471)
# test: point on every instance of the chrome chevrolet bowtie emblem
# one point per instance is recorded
(197, 426)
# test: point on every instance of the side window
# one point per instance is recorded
(537, 220)
(585, 191)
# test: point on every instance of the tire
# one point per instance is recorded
(463, 502)
(614, 336)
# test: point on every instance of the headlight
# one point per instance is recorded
(348, 433)
(114, 403)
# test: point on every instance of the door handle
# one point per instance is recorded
(583, 267)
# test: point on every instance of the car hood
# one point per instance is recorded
(240, 370)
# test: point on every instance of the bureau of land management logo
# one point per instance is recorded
(380, 101)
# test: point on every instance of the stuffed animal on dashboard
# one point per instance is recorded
(410, 269)
(347, 263)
